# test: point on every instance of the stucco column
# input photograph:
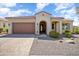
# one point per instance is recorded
(71, 26)
(36, 28)
(10, 28)
(60, 27)
(57, 27)
(48, 27)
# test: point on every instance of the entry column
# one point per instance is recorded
(71, 26)
(49, 27)
(60, 27)
(10, 28)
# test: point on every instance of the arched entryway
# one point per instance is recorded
(42, 27)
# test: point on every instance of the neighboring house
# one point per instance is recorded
(3, 24)
(40, 23)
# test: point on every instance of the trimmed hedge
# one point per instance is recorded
(1, 29)
(77, 32)
(68, 33)
(5, 29)
(54, 34)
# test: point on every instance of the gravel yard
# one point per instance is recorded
(50, 47)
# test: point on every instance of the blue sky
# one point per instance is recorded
(66, 10)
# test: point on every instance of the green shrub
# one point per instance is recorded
(68, 33)
(54, 34)
(77, 32)
(1, 29)
(7, 30)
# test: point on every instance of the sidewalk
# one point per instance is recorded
(2, 35)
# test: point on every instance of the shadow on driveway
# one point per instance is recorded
(18, 36)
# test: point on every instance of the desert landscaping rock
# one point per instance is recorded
(50, 47)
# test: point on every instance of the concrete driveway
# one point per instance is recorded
(15, 46)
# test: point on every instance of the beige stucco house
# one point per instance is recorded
(41, 23)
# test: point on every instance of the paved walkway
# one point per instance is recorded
(17, 46)
(76, 35)
(50, 47)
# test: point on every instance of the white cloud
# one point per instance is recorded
(7, 4)
(71, 13)
(40, 6)
(13, 14)
(60, 6)
(67, 10)
(4, 10)
(23, 11)
(76, 23)
(10, 13)
(18, 12)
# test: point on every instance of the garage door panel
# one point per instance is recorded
(23, 28)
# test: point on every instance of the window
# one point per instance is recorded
(52, 26)
(66, 26)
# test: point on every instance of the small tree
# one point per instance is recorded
(5, 29)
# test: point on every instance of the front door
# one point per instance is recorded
(42, 28)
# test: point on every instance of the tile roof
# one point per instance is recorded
(21, 17)
(41, 12)
(57, 17)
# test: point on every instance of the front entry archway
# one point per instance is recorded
(42, 27)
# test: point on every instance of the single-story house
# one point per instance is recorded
(41, 23)
(3, 24)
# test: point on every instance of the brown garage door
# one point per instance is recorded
(23, 28)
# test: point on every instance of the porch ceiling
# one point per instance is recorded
(55, 20)
(66, 21)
